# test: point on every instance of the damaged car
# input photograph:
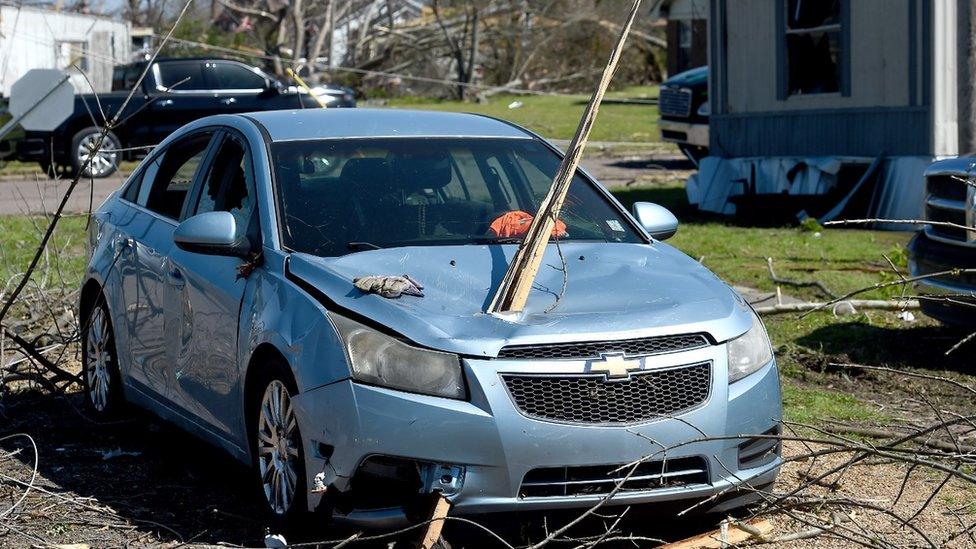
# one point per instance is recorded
(308, 291)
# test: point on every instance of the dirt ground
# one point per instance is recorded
(141, 482)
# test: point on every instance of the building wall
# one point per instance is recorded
(697, 56)
(883, 108)
(32, 38)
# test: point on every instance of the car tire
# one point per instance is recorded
(101, 377)
(278, 458)
(104, 163)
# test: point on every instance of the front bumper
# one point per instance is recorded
(497, 445)
(684, 132)
(926, 256)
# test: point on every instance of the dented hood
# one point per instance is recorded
(613, 291)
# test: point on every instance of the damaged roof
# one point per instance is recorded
(359, 123)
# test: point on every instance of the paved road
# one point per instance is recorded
(38, 194)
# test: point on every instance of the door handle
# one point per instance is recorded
(165, 102)
(125, 245)
(229, 100)
(175, 278)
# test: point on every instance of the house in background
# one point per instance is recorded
(687, 32)
(833, 102)
(38, 38)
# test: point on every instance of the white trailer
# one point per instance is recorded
(37, 38)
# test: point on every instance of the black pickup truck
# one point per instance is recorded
(175, 92)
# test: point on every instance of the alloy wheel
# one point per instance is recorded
(100, 361)
(278, 446)
(103, 159)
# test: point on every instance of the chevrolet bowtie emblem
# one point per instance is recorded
(615, 366)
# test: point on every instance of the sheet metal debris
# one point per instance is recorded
(390, 287)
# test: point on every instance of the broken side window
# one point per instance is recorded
(813, 41)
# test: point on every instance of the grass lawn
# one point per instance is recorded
(556, 117)
(19, 236)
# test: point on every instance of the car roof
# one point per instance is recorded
(304, 124)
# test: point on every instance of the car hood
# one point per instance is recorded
(612, 291)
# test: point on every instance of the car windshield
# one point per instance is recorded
(342, 196)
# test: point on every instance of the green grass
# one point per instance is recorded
(556, 117)
(842, 259)
(811, 406)
(67, 255)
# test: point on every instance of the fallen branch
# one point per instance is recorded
(797, 283)
(885, 434)
(946, 224)
(876, 304)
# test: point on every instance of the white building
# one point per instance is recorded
(37, 38)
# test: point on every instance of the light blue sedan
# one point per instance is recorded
(220, 295)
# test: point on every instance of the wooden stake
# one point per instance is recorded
(514, 288)
(719, 538)
(436, 522)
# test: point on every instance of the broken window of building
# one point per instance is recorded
(813, 46)
(71, 52)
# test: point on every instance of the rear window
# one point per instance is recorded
(124, 77)
(182, 76)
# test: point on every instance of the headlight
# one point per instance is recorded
(749, 352)
(705, 109)
(379, 359)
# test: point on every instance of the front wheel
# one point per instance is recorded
(100, 365)
(278, 454)
(103, 153)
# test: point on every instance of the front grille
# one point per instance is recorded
(675, 102)
(601, 479)
(949, 200)
(596, 399)
(593, 349)
(950, 187)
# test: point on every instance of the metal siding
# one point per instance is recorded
(841, 132)
(878, 34)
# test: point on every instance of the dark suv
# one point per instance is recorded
(943, 248)
(684, 109)
(175, 92)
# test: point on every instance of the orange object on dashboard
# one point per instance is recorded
(516, 223)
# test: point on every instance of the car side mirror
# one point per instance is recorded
(657, 220)
(212, 233)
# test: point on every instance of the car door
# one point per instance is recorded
(236, 87)
(182, 95)
(207, 291)
(144, 246)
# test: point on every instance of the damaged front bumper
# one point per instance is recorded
(376, 449)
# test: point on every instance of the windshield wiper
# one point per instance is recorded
(360, 246)
(498, 240)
